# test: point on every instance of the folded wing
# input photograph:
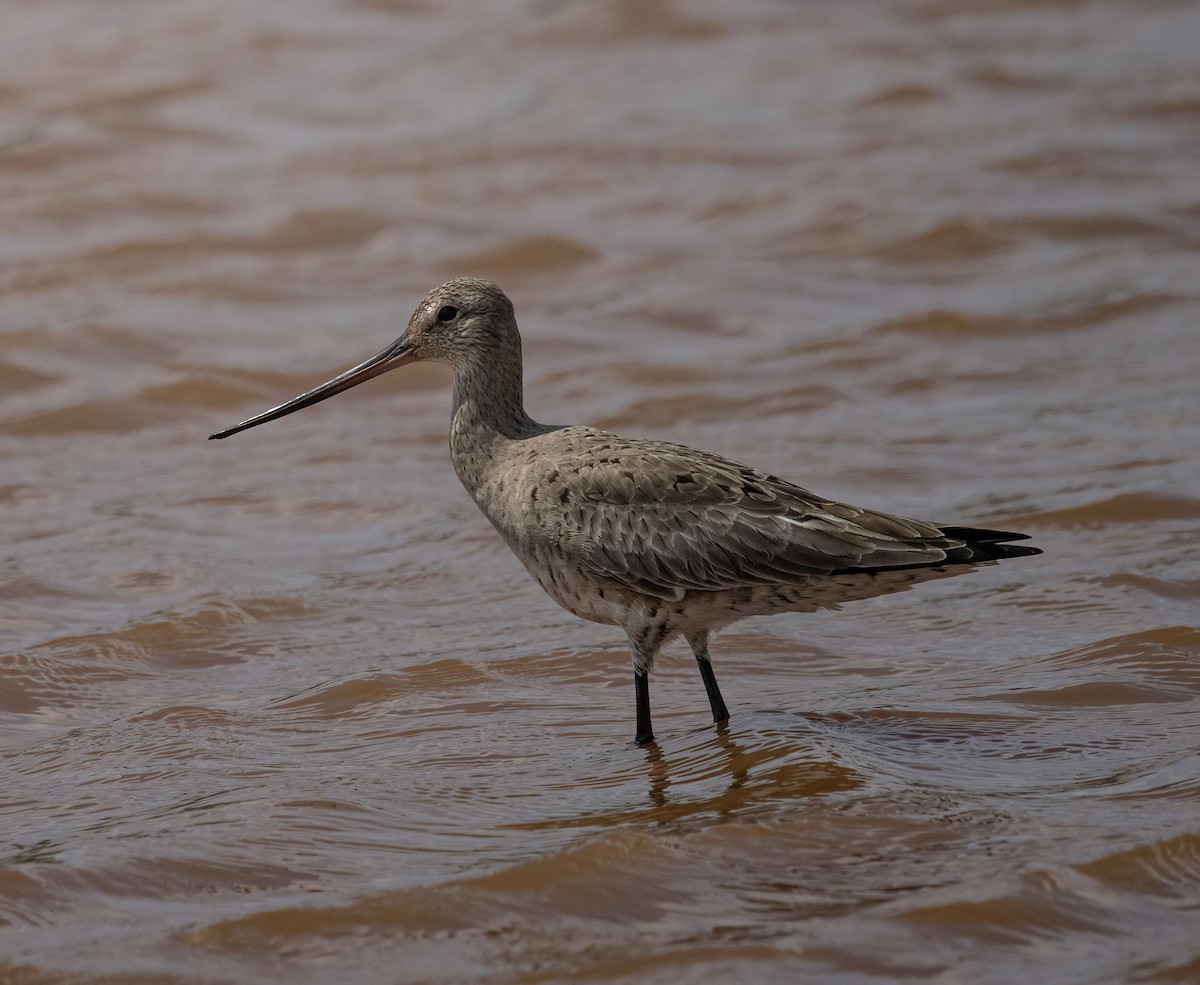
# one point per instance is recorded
(663, 519)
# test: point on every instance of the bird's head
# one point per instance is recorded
(466, 319)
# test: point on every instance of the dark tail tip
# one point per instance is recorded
(989, 545)
(997, 552)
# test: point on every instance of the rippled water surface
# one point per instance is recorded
(283, 708)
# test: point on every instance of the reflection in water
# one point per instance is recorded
(726, 773)
(736, 767)
(658, 774)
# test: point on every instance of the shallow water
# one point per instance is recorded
(283, 708)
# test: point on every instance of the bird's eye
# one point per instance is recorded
(447, 313)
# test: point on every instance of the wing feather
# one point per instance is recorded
(658, 517)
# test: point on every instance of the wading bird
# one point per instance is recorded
(657, 538)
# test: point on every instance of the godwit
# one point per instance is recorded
(657, 538)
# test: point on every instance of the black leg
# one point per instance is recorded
(720, 712)
(641, 686)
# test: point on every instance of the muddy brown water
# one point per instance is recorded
(282, 708)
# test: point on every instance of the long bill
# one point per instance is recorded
(396, 354)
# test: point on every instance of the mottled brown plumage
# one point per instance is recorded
(657, 538)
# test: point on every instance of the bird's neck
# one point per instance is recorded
(488, 410)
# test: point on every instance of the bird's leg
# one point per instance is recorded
(698, 641)
(641, 684)
(644, 644)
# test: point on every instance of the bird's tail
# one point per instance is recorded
(986, 545)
